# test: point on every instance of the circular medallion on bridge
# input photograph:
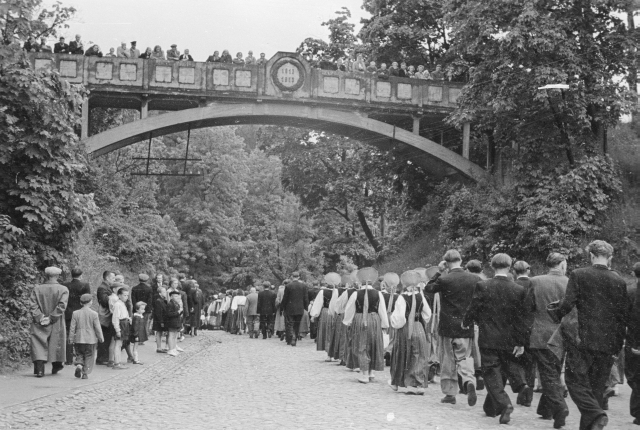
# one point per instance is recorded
(288, 74)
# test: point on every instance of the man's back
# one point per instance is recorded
(85, 326)
(143, 293)
(76, 289)
(51, 299)
(543, 290)
(266, 302)
(600, 296)
(252, 304)
(295, 299)
(498, 308)
(456, 291)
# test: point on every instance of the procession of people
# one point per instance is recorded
(475, 333)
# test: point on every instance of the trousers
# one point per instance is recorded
(550, 368)
(455, 359)
(497, 366)
(85, 356)
(586, 376)
(266, 325)
(292, 323)
(103, 348)
(632, 372)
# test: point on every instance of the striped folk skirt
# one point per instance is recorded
(325, 324)
(233, 324)
(336, 347)
(350, 355)
(367, 342)
(410, 358)
(241, 315)
(228, 322)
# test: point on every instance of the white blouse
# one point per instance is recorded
(238, 301)
(318, 302)
(350, 309)
(398, 319)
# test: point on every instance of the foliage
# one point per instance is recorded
(409, 30)
(20, 19)
(342, 40)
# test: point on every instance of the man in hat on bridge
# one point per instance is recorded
(47, 303)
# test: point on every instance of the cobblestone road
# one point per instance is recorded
(226, 381)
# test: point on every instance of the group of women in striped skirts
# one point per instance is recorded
(357, 322)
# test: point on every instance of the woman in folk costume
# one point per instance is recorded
(225, 306)
(337, 343)
(232, 320)
(323, 311)
(238, 306)
(409, 359)
(347, 357)
(367, 312)
(279, 325)
(389, 285)
(213, 312)
(305, 325)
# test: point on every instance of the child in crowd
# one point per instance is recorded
(84, 334)
(159, 311)
(122, 326)
(138, 331)
(172, 320)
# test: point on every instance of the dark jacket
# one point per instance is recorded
(226, 58)
(212, 59)
(456, 291)
(159, 310)
(600, 296)
(172, 317)
(60, 48)
(185, 304)
(544, 290)
(74, 49)
(143, 293)
(394, 71)
(525, 281)
(383, 74)
(104, 313)
(295, 299)
(498, 308)
(266, 302)
(76, 289)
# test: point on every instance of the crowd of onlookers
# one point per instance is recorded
(355, 64)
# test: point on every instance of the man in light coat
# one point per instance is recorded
(47, 303)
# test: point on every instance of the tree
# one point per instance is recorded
(20, 19)
(342, 40)
(409, 30)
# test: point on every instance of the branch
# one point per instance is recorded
(343, 215)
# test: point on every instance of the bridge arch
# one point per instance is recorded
(345, 123)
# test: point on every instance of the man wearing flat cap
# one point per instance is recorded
(133, 51)
(143, 293)
(173, 54)
(47, 303)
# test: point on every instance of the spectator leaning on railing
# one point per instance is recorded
(173, 54)
(185, 56)
(76, 47)
(61, 47)
(157, 53)
(122, 51)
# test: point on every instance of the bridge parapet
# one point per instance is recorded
(285, 76)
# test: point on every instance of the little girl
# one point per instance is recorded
(138, 331)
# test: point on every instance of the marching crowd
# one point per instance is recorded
(575, 333)
(355, 63)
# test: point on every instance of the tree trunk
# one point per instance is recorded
(367, 232)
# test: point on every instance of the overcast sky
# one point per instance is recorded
(206, 25)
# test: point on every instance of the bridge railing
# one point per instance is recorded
(231, 80)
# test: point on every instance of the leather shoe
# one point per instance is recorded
(56, 368)
(559, 418)
(472, 398)
(525, 396)
(505, 416)
(293, 343)
(448, 399)
(637, 421)
(39, 374)
(78, 372)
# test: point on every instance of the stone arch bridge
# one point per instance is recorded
(285, 91)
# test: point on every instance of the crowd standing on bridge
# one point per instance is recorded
(573, 334)
(354, 64)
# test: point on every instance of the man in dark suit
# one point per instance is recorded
(295, 301)
(76, 289)
(600, 295)
(498, 308)
(104, 315)
(523, 273)
(143, 293)
(456, 291)
(543, 290)
(76, 47)
(61, 47)
(267, 309)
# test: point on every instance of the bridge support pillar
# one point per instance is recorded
(416, 125)
(144, 108)
(84, 133)
(466, 134)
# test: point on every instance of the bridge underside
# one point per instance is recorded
(439, 160)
